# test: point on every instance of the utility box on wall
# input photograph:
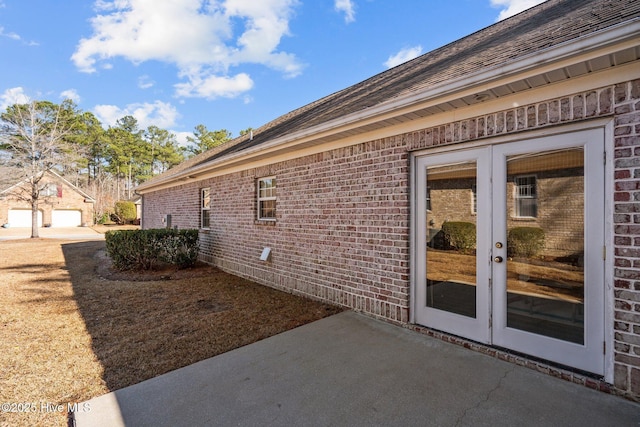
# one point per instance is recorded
(166, 220)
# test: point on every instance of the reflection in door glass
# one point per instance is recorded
(545, 243)
(451, 238)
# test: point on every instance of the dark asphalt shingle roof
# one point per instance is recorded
(546, 25)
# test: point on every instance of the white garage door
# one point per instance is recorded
(22, 218)
(66, 218)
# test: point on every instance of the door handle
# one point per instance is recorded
(498, 259)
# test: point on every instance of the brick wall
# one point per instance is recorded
(342, 230)
(560, 214)
(627, 236)
(181, 202)
(69, 200)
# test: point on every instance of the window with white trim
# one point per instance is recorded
(51, 190)
(205, 207)
(267, 198)
(526, 196)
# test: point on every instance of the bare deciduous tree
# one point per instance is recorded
(35, 139)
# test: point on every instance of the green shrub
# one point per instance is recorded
(525, 241)
(145, 249)
(460, 235)
(126, 211)
(104, 218)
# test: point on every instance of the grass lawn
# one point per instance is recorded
(71, 329)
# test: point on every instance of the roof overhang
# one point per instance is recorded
(613, 48)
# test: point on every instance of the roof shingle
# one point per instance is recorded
(546, 25)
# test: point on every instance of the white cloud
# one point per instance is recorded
(158, 113)
(12, 36)
(181, 137)
(202, 38)
(403, 55)
(13, 96)
(513, 7)
(348, 8)
(212, 86)
(145, 82)
(71, 94)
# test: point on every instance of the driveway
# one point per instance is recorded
(70, 233)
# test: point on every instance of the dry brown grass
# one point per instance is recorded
(68, 334)
(521, 275)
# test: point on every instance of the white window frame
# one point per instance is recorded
(262, 197)
(517, 197)
(205, 207)
(50, 190)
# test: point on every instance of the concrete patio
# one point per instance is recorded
(350, 369)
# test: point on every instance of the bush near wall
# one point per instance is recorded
(525, 241)
(146, 249)
(125, 211)
(460, 235)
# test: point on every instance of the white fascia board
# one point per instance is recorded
(572, 51)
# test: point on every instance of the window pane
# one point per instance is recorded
(267, 188)
(526, 201)
(545, 269)
(205, 219)
(451, 239)
(267, 198)
(268, 209)
(206, 198)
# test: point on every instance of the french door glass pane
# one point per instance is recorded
(451, 238)
(545, 243)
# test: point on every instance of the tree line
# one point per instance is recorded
(105, 162)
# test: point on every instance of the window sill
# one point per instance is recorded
(265, 222)
(524, 218)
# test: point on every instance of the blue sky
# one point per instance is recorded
(227, 64)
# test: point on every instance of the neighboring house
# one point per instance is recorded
(532, 122)
(61, 204)
(137, 200)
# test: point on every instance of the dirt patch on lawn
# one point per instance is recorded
(72, 328)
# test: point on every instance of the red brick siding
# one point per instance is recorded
(560, 202)
(342, 230)
(341, 233)
(181, 202)
(627, 236)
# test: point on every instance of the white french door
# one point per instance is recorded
(509, 246)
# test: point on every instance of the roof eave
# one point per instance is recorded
(576, 48)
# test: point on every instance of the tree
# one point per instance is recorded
(246, 131)
(128, 154)
(165, 150)
(205, 139)
(37, 139)
(91, 141)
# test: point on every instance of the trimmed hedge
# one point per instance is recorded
(460, 235)
(144, 249)
(525, 241)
